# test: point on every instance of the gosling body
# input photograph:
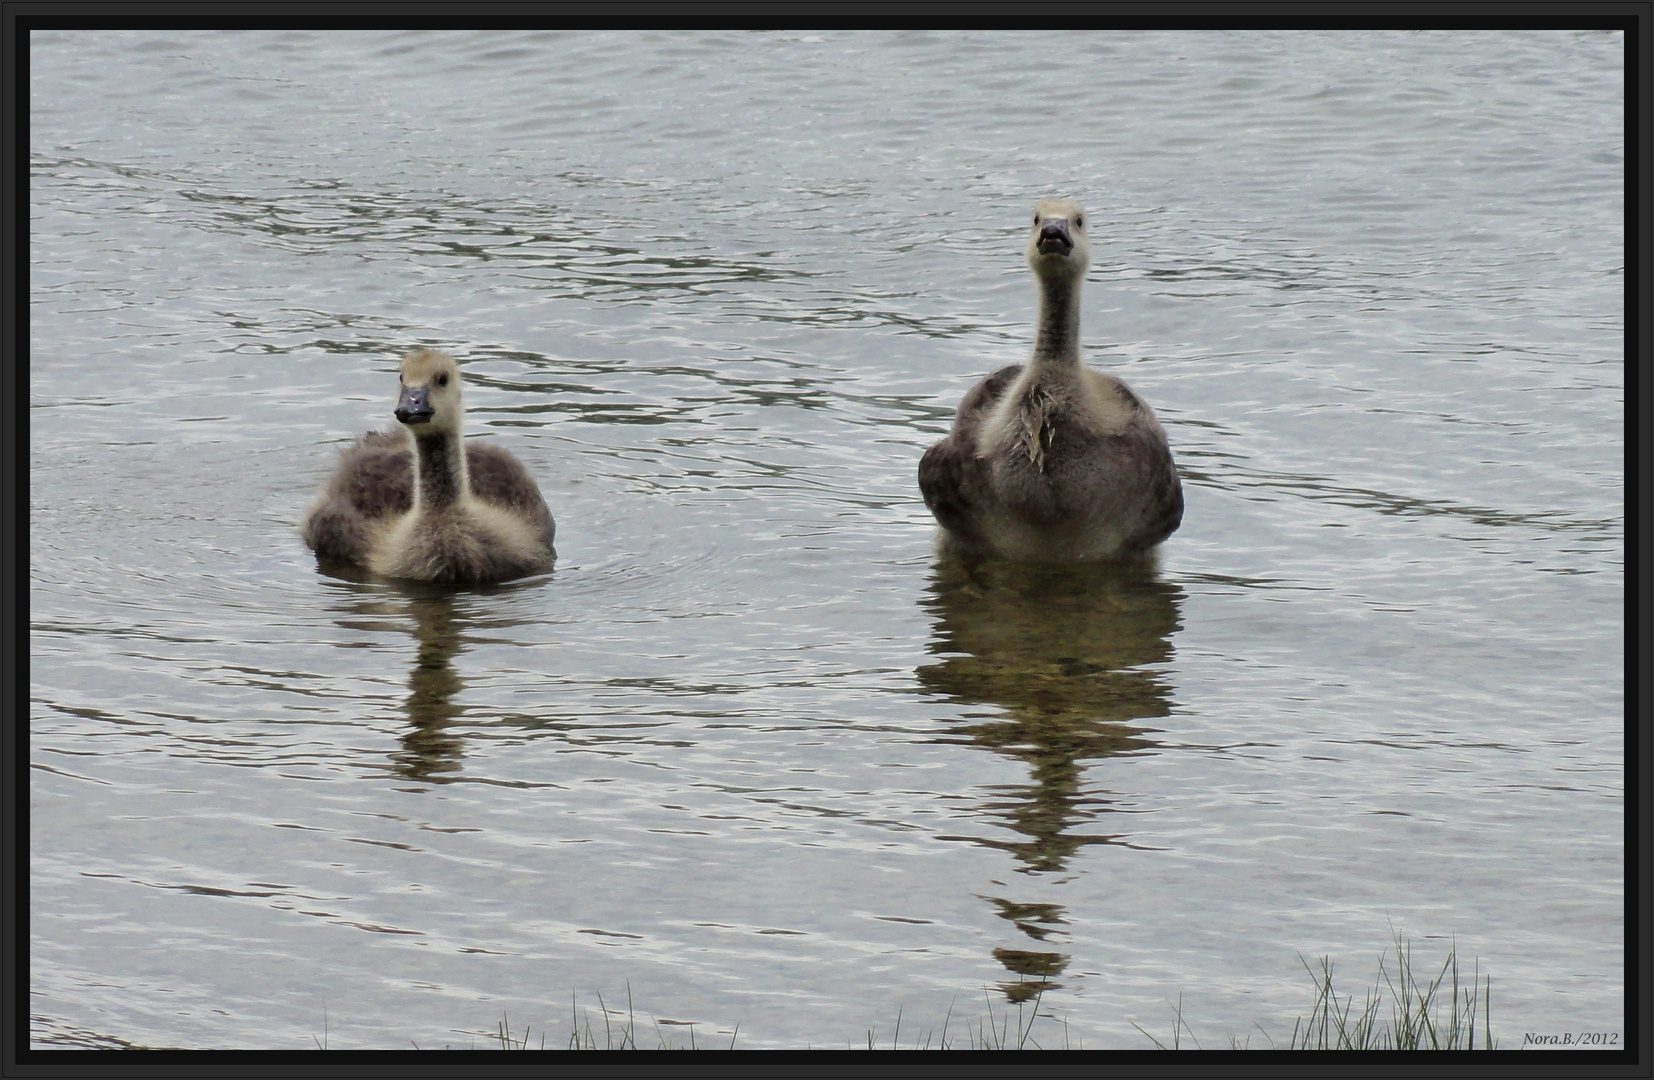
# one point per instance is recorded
(1050, 461)
(421, 503)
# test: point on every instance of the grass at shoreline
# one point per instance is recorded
(1435, 1013)
(1439, 1012)
(993, 1033)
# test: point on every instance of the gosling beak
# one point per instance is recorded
(1054, 238)
(414, 406)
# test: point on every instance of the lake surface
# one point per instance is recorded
(750, 752)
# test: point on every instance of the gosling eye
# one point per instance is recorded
(442, 380)
(1036, 219)
(1079, 223)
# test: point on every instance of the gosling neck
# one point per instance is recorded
(1057, 334)
(439, 481)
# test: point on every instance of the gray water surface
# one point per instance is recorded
(750, 751)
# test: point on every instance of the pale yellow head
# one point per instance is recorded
(1058, 244)
(430, 398)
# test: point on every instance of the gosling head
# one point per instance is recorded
(1058, 246)
(430, 397)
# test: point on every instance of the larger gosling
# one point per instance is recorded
(1052, 462)
(420, 503)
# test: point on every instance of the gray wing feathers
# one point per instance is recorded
(498, 477)
(375, 480)
(953, 480)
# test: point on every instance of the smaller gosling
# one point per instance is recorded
(420, 503)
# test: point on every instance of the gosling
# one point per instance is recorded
(1050, 461)
(418, 502)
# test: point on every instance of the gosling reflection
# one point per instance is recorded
(431, 751)
(1034, 969)
(429, 748)
(1035, 920)
(1062, 652)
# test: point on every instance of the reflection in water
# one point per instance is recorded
(428, 748)
(1062, 652)
(430, 751)
(1028, 917)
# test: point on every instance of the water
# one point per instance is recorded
(749, 750)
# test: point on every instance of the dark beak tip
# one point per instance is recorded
(414, 407)
(1054, 239)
